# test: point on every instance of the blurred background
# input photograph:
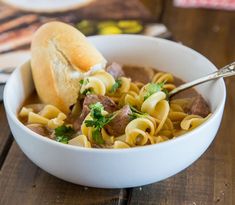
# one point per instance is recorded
(191, 22)
(20, 18)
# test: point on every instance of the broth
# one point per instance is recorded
(195, 106)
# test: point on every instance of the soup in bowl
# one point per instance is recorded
(138, 165)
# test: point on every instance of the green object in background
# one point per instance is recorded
(130, 26)
(133, 30)
(104, 24)
(88, 27)
(127, 24)
(110, 30)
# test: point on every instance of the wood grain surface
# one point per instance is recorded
(24, 183)
(17, 26)
(5, 137)
(210, 180)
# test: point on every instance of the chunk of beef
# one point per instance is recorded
(199, 107)
(117, 125)
(107, 102)
(39, 129)
(115, 70)
(77, 123)
(139, 74)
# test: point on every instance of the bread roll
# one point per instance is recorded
(60, 56)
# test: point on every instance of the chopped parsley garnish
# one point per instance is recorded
(166, 92)
(115, 86)
(81, 82)
(88, 91)
(84, 82)
(62, 139)
(152, 88)
(136, 113)
(97, 137)
(63, 134)
(98, 121)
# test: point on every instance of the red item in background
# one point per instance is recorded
(215, 4)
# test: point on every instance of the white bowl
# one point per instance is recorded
(128, 167)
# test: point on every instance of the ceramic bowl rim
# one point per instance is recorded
(181, 138)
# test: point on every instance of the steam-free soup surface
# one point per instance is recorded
(122, 110)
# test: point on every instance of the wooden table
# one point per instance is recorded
(210, 180)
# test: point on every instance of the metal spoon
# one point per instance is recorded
(226, 71)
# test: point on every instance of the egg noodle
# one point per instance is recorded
(155, 118)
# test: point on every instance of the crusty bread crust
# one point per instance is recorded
(60, 55)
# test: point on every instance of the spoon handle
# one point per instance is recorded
(226, 71)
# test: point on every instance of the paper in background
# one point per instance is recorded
(213, 4)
